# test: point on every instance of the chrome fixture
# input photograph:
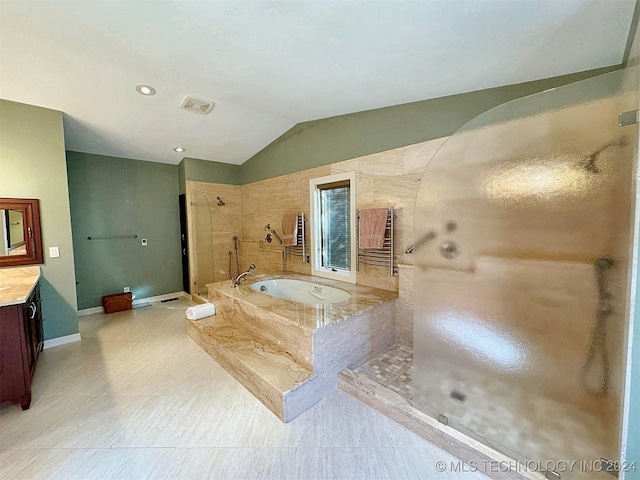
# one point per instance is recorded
(241, 276)
(628, 118)
(589, 161)
(235, 247)
(300, 249)
(273, 232)
(384, 256)
(449, 249)
(430, 235)
(220, 202)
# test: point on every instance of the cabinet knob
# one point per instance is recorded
(33, 309)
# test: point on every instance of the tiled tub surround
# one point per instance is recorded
(389, 178)
(288, 354)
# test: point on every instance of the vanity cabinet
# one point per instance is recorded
(21, 341)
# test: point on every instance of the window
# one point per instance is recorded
(333, 216)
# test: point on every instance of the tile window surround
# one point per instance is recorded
(389, 178)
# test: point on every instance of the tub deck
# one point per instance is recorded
(288, 355)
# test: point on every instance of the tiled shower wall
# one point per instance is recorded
(385, 179)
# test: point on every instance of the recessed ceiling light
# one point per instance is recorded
(145, 90)
(179, 149)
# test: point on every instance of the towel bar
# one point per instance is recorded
(112, 237)
(299, 250)
(380, 257)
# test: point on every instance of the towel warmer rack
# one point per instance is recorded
(300, 249)
(380, 257)
(111, 237)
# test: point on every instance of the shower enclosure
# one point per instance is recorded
(523, 242)
(202, 258)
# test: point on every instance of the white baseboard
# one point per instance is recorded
(136, 302)
(158, 298)
(89, 311)
(56, 342)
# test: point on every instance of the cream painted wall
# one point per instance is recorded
(33, 165)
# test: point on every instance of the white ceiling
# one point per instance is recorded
(269, 65)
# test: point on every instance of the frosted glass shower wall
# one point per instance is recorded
(202, 235)
(522, 229)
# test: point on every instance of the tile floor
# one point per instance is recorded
(138, 399)
(393, 369)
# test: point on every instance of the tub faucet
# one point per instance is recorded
(236, 281)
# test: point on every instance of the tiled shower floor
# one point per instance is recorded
(393, 369)
(515, 422)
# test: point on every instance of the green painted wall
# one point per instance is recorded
(117, 196)
(330, 140)
(211, 172)
(32, 165)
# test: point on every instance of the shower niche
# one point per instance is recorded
(519, 334)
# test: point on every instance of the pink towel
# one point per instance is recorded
(373, 224)
(290, 229)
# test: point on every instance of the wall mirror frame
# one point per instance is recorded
(27, 248)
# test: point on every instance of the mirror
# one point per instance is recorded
(20, 234)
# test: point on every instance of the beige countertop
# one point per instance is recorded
(17, 283)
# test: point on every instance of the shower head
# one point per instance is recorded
(235, 238)
(220, 202)
(251, 267)
(588, 162)
(604, 263)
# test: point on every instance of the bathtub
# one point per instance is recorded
(288, 351)
(301, 291)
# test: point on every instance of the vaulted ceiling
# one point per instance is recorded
(269, 65)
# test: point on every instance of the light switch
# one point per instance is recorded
(54, 252)
(143, 242)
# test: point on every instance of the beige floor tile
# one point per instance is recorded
(138, 399)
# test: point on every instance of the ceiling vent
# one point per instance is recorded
(196, 105)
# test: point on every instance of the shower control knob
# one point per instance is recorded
(449, 249)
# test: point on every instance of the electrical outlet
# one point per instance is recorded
(127, 289)
(143, 242)
(54, 252)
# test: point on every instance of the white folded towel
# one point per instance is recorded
(201, 311)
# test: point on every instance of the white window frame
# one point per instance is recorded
(349, 276)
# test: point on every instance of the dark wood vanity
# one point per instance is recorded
(21, 341)
(21, 336)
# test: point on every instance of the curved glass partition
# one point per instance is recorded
(202, 243)
(522, 228)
